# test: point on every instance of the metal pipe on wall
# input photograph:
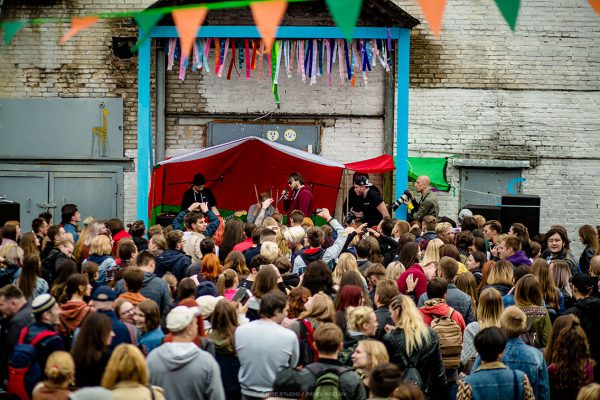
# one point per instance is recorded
(160, 103)
(389, 110)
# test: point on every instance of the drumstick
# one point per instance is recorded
(256, 192)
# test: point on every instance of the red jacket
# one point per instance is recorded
(301, 201)
(116, 238)
(440, 310)
(417, 272)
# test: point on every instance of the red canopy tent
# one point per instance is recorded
(232, 169)
(376, 165)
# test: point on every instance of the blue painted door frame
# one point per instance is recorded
(145, 148)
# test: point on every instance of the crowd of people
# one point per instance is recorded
(277, 307)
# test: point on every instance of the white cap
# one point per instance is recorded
(207, 304)
(465, 212)
(180, 317)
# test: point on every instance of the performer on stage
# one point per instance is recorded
(300, 198)
(198, 193)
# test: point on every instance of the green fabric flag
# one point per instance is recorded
(345, 13)
(146, 21)
(11, 29)
(510, 11)
(434, 168)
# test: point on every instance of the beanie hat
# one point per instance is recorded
(42, 303)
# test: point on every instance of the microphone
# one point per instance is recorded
(283, 195)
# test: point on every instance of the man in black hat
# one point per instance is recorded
(199, 193)
(372, 209)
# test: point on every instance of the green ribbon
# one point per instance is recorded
(345, 13)
(510, 11)
(274, 56)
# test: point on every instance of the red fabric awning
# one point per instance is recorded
(377, 165)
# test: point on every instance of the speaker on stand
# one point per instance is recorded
(524, 209)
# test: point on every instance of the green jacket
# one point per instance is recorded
(427, 205)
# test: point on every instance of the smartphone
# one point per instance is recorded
(242, 295)
(319, 210)
(456, 230)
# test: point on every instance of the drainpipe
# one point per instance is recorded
(160, 103)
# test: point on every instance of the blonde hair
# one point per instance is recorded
(159, 241)
(358, 316)
(101, 245)
(126, 363)
(489, 308)
(60, 368)
(480, 219)
(589, 392)
(376, 353)
(501, 273)
(12, 253)
(94, 229)
(443, 227)
(394, 270)
(269, 222)
(432, 252)
(294, 235)
(322, 309)
(281, 242)
(270, 251)
(226, 280)
(346, 262)
(416, 333)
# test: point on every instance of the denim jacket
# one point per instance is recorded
(456, 299)
(518, 355)
(494, 381)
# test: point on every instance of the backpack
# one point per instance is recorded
(308, 350)
(529, 337)
(411, 373)
(328, 384)
(24, 372)
(450, 337)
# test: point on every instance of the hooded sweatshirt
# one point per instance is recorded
(435, 308)
(519, 258)
(72, 314)
(153, 288)
(185, 372)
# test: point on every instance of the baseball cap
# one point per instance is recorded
(180, 317)
(362, 180)
(465, 212)
(199, 180)
(206, 304)
(42, 303)
(104, 293)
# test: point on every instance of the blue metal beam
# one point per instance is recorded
(144, 145)
(284, 32)
(402, 117)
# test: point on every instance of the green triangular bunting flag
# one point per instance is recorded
(510, 11)
(344, 14)
(11, 29)
(146, 21)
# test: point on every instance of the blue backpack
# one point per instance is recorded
(24, 372)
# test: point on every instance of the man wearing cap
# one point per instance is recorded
(587, 309)
(371, 209)
(199, 193)
(103, 301)
(428, 203)
(265, 348)
(46, 314)
(182, 369)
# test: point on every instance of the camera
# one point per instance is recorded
(350, 218)
(404, 199)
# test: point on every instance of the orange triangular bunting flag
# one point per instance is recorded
(188, 22)
(433, 10)
(79, 24)
(595, 5)
(268, 16)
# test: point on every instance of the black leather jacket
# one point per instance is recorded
(427, 359)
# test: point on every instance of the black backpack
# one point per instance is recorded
(308, 351)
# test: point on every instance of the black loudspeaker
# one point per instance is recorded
(165, 219)
(521, 208)
(488, 212)
(9, 211)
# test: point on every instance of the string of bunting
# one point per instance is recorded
(267, 15)
(310, 58)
